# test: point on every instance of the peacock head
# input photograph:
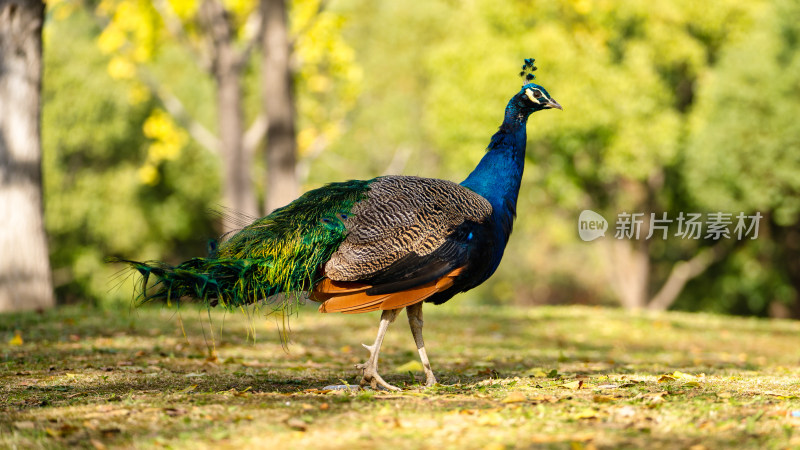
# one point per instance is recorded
(533, 97)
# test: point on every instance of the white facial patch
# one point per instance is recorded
(529, 93)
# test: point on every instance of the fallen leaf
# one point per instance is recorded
(585, 415)
(537, 373)
(63, 430)
(173, 412)
(574, 385)
(608, 386)
(97, 444)
(665, 379)
(543, 399)
(574, 445)
(653, 398)
(626, 411)
(324, 407)
(110, 432)
(243, 393)
(603, 399)
(188, 389)
(16, 341)
(297, 424)
(683, 376)
(24, 425)
(411, 366)
(488, 418)
(515, 397)
(559, 438)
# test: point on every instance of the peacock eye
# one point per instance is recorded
(537, 94)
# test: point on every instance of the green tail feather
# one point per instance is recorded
(280, 253)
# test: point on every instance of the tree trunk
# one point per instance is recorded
(629, 269)
(682, 272)
(25, 281)
(279, 103)
(238, 193)
(238, 190)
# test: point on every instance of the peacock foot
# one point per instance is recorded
(370, 375)
(430, 380)
(374, 380)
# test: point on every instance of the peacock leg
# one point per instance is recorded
(370, 367)
(415, 322)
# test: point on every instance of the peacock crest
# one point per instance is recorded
(527, 70)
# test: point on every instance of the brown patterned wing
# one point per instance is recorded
(400, 243)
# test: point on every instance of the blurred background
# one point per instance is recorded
(155, 113)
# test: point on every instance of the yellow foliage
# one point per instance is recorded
(328, 71)
(61, 9)
(138, 93)
(240, 9)
(111, 39)
(168, 140)
(148, 174)
(582, 6)
(16, 340)
(184, 9)
(133, 29)
(305, 137)
(120, 68)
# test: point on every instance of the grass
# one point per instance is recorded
(553, 377)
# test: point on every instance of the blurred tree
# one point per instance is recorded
(222, 36)
(221, 39)
(93, 147)
(745, 127)
(25, 281)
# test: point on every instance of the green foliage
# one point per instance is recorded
(744, 130)
(96, 205)
(744, 154)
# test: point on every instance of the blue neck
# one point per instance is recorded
(497, 177)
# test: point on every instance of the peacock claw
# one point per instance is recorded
(374, 380)
(370, 375)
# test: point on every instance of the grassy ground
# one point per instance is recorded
(572, 377)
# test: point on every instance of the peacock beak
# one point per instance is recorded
(552, 103)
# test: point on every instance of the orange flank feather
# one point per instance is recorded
(351, 297)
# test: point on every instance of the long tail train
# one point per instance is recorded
(228, 282)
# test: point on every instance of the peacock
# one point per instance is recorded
(358, 246)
